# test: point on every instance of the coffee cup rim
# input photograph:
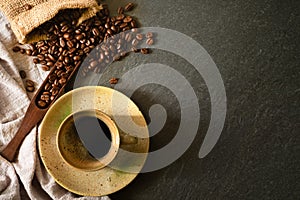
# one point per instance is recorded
(115, 139)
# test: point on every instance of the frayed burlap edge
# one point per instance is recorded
(25, 22)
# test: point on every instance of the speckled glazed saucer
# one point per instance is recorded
(132, 152)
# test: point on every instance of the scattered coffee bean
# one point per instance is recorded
(129, 7)
(29, 82)
(139, 36)
(120, 10)
(29, 85)
(145, 51)
(29, 88)
(27, 6)
(134, 42)
(36, 60)
(149, 35)
(113, 81)
(16, 49)
(149, 41)
(22, 74)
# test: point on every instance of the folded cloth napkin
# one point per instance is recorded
(26, 178)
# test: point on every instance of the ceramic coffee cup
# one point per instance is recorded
(88, 140)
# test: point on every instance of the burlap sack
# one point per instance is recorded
(26, 15)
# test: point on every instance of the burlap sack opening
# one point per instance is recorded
(26, 15)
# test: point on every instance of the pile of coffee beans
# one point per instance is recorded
(68, 45)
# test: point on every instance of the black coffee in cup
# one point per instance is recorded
(94, 134)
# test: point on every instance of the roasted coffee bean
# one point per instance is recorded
(67, 60)
(59, 73)
(51, 57)
(70, 44)
(118, 22)
(27, 6)
(64, 75)
(29, 88)
(79, 37)
(127, 19)
(22, 74)
(109, 31)
(149, 41)
(54, 91)
(59, 65)
(64, 28)
(28, 52)
(88, 43)
(123, 25)
(72, 50)
(133, 24)
(86, 50)
(135, 42)
(62, 43)
(42, 104)
(134, 49)
(43, 62)
(41, 57)
(129, 7)
(139, 36)
(113, 81)
(34, 52)
(76, 58)
(45, 97)
(125, 29)
(56, 83)
(67, 36)
(50, 64)
(16, 49)
(120, 10)
(149, 35)
(29, 83)
(78, 31)
(113, 28)
(145, 51)
(40, 44)
(96, 32)
(62, 81)
(22, 51)
(47, 86)
(52, 77)
(35, 60)
(45, 67)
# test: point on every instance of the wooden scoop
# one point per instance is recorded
(33, 116)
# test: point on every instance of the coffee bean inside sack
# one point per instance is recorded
(68, 44)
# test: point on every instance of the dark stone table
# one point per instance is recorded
(255, 45)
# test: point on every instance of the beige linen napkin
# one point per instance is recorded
(26, 178)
